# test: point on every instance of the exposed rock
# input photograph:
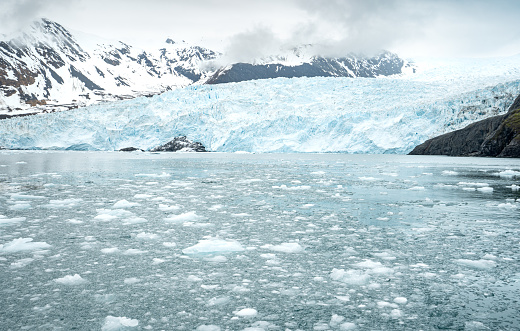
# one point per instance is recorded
(495, 136)
(130, 149)
(181, 144)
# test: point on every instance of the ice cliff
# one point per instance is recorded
(351, 115)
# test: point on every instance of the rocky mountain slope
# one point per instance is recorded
(495, 136)
(47, 68)
(384, 64)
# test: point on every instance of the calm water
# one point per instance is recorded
(113, 241)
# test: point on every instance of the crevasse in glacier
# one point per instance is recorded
(351, 115)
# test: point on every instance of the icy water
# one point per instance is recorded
(110, 241)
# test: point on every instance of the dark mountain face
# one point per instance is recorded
(385, 64)
(497, 136)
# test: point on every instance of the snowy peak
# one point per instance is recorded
(48, 67)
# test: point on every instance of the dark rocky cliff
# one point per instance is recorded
(497, 136)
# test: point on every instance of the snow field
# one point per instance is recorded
(318, 258)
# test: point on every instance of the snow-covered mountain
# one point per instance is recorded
(298, 63)
(320, 114)
(47, 68)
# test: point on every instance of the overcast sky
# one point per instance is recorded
(463, 28)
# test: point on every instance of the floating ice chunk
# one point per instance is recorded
(374, 267)
(143, 196)
(110, 214)
(369, 179)
(401, 300)
(113, 323)
(472, 184)
(385, 304)
(71, 280)
(508, 173)
(449, 173)
(134, 220)
(19, 196)
(318, 173)
(161, 175)
(125, 204)
(417, 188)
(218, 259)
(217, 301)
(169, 244)
(347, 326)
(383, 219)
(212, 246)
(110, 250)
(514, 187)
(209, 327)
(20, 206)
(507, 205)
(10, 221)
(292, 188)
(285, 248)
(193, 278)
(66, 203)
(131, 280)
(246, 312)
(23, 244)
(157, 260)
(352, 277)
(74, 221)
(185, 217)
(477, 264)
(336, 320)
(396, 313)
(485, 189)
(147, 236)
(21, 263)
(163, 207)
(475, 325)
(134, 251)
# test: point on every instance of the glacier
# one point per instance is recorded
(347, 115)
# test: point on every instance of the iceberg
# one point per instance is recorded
(322, 114)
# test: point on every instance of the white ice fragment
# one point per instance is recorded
(193, 278)
(131, 280)
(147, 236)
(401, 300)
(507, 205)
(514, 187)
(10, 221)
(508, 173)
(336, 320)
(169, 244)
(143, 196)
(396, 313)
(157, 260)
(22, 244)
(369, 179)
(352, 277)
(110, 250)
(417, 188)
(218, 259)
(449, 173)
(246, 312)
(134, 251)
(113, 323)
(213, 245)
(347, 326)
(21, 263)
(71, 280)
(385, 304)
(209, 327)
(485, 189)
(162, 175)
(61, 204)
(285, 248)
(185, 217)
(477, 264)
(121, 204)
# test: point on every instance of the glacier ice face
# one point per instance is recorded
(352, 115)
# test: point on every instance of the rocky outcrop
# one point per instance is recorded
(497, 136)
(180, 144)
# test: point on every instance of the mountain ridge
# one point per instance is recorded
(47, 68)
